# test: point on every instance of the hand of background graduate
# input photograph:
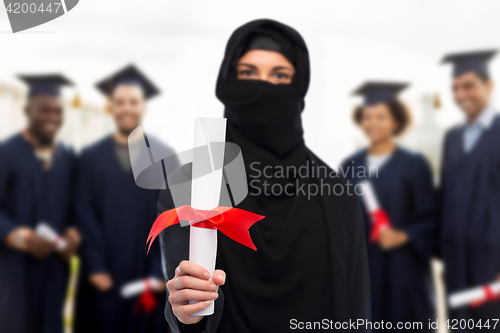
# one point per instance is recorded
(391, 238)
(27, 240)
(72, 238)
(192, 283)
(160, 287)
(102, 281)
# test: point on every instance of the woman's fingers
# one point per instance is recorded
(219, 277)
(191, 282)
(184, 295)
(182, 311)
(190, 268)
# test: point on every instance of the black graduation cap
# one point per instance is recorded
(49, 84)
(128, 75)
(470, 61)
(379, 92)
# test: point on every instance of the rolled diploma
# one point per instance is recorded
(205, 194)
(134, 288)
(466, 297)
(45, 231)
(369, 198)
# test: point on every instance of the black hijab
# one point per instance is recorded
(266, 115)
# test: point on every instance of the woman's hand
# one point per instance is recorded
(391, 238)
(192, 283)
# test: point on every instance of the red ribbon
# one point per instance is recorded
(489, 296)
(147, 300)
(380, 221)
(232, 222)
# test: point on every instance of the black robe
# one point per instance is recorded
(257, 295)
(33, 291)
(114, 217)
(470, 216)
(401, 280)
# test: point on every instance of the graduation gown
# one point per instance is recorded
(33, 290)
(470, 216)
(401, 281)
(114, 217)
(310, 262)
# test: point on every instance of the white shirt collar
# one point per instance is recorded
(486, 118)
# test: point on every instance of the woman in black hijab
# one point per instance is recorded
(311, 266)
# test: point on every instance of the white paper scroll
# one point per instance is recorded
(469, 296)
(205, 194)
(45, 231)
(369, 198)
(135, 288)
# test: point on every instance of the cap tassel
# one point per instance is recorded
(437, 102)
(77, 101)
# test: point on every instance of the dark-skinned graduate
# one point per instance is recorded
(36, 187)
(114, 216)
(470, 189)
(399, 253)
(310, 268)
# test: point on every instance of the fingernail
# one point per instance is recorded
(178, 269)
(206, 275)
(208, 302)
(214, 295)
(214, 287)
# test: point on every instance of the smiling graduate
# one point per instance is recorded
(36, 186)
(114, 216)
(399, 256)
(470, 186)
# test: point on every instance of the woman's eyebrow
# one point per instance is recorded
(282, 67)
(248, 65)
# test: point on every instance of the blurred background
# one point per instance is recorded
(180, 44)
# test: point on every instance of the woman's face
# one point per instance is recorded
(377, 122)
(270, 66)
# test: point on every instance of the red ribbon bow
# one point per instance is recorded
(147, 300)
(232, 222)
(489, 296)
(380, 221)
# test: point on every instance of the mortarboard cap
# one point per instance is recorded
(128, 75)
(379, 92)
(470, 61)
(45, 84)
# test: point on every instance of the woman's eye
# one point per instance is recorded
(246, 73)
(281, 76)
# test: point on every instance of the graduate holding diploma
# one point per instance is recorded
(310, 263)
(470, 187)
(36, 189)
(113, 216)
(401, 186)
